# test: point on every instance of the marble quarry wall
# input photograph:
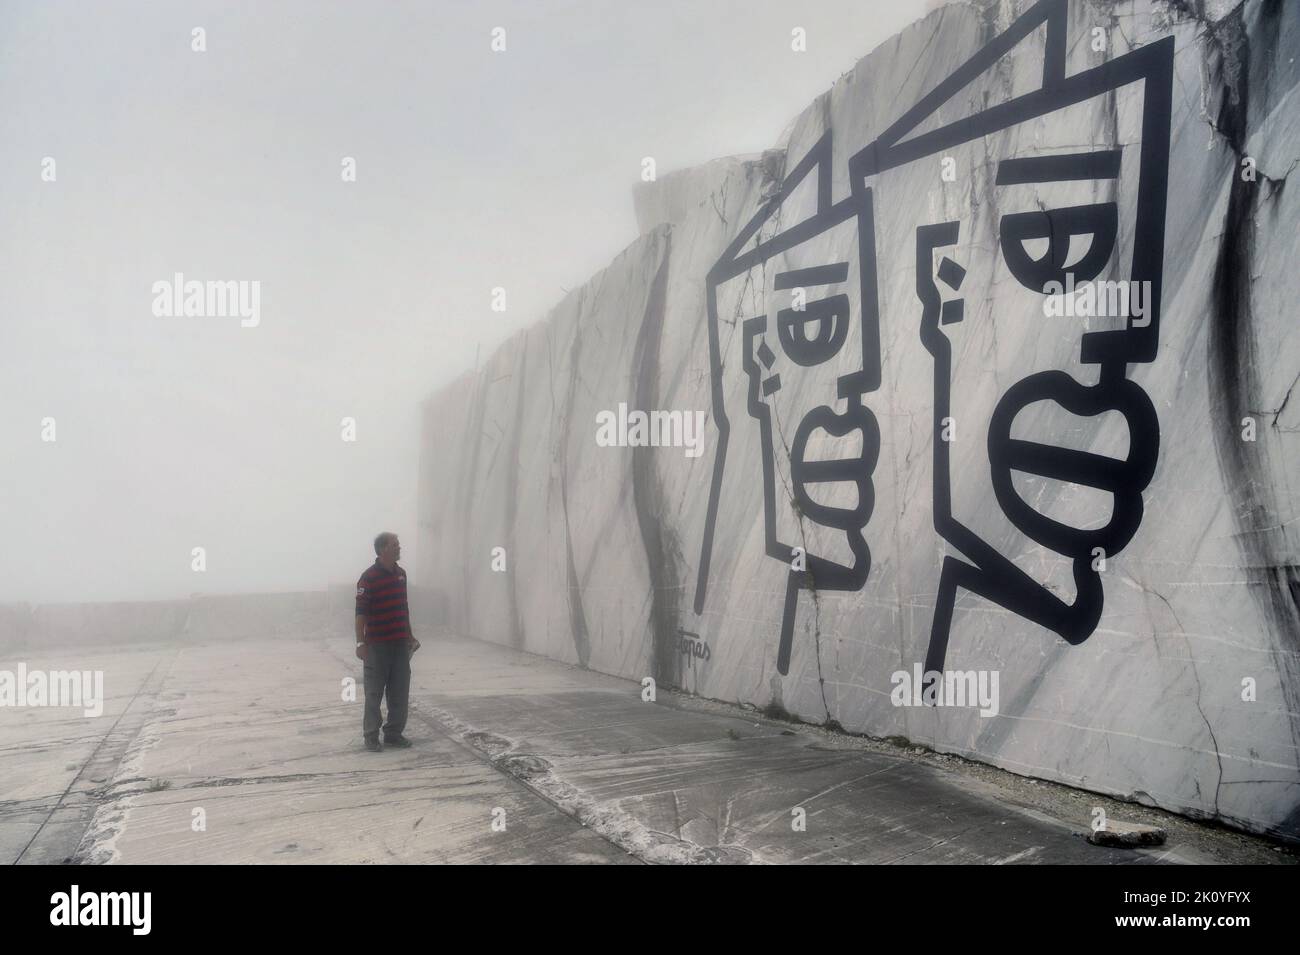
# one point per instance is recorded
(965, 414)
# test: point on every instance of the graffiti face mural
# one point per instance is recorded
(819, 441)
(804, 294)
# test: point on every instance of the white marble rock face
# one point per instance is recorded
(1185, 690)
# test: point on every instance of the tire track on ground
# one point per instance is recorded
(104, 762)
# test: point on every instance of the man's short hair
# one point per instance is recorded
(383, 540)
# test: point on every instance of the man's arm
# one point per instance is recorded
(362, 608)
(413, 643)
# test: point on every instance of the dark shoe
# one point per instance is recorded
(373, 744)
(397, 742)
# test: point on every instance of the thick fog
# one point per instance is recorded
(133, 436)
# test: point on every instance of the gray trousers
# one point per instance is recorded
(387, 670)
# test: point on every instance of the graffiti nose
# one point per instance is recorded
(825, 476)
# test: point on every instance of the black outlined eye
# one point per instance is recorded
(1062, 228)
(1042, 246)
(815, 334)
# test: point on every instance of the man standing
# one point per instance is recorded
(385, 643)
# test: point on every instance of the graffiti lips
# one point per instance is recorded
(1124, 479)
(855, 470)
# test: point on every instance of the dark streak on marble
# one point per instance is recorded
(660, 543)
(1243, 58)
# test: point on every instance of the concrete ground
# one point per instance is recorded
(248, 752)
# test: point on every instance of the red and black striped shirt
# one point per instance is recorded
(381, 599)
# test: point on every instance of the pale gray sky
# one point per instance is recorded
(474, 169)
